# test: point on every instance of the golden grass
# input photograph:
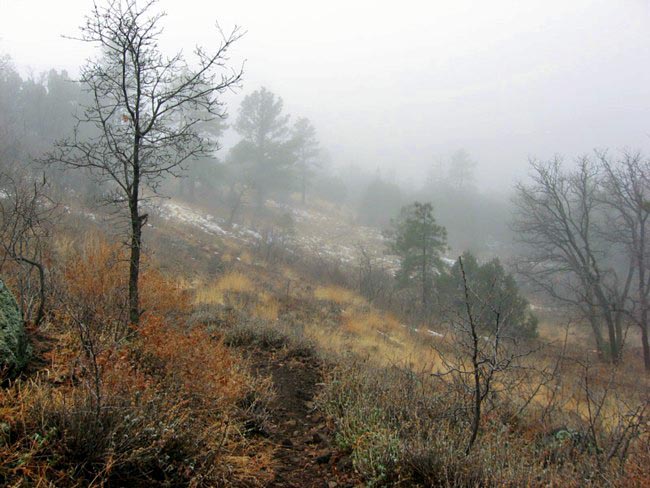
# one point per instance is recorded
(267, 307)
(380, 337)
(339, 295)
(234, 282)
(290, 274)
(246, 258)
(371, 322)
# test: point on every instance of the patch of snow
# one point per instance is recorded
(252, 233)
(448, 261)
(208, 223)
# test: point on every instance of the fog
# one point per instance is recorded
(396, 86)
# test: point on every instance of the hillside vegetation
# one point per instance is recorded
(177, 313)
(261, 374)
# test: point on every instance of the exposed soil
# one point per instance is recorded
(305, 454)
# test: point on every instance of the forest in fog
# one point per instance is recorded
(427, 268)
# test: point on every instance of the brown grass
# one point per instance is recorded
(216, 293)
(338, 295)
(164, 407)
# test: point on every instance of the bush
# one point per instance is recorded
(162, 405)
(406, 429)
(492, 289)
(167, 415)
(15, 349)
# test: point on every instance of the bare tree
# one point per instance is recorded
(147, 111)
(26, 214)
(374, 279)
(560, 221)
(612, 421)
(484, 355)
(626, 184)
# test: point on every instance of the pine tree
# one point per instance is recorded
(419, 242)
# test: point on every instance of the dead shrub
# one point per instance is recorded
(163, 405)
(172, 406)
(404, 428)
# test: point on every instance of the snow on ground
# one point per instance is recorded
(329, 236)
(174, 211)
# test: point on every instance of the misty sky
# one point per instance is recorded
(399, 84)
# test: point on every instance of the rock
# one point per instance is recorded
(15, 350)
(332, 484)
(324, 458)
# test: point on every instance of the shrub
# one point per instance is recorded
(407, 429)
(168, 415)
(164, 405)
(489, 283)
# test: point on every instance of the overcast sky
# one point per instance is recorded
(399, 84)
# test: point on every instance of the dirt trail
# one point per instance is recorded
(305, 454)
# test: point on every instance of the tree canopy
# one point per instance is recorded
(419, 242)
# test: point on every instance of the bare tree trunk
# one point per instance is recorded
(644, 337)
(40, 313)
(643, 292)
(478, 397)
(598, 336)
(237, 197)
(134, 266)
(613, 325)
(613, 342)
(137, 221)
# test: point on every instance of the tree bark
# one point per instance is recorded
(645, 344)
(643, 295)
(40, 313)
(134, 265)
(598, 335)
(137, 222)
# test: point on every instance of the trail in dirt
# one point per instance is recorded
(305, 454)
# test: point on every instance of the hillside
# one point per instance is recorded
(262, 244)
(266, 374)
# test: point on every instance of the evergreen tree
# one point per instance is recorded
(461, 170)
(419, 242)
(380, 201)
(306, 151)
(493, 291)
(265, 153)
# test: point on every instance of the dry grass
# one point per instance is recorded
(408, 429)
(164, 407)
(400, 426)
(216, 293)
(356, 322)
(267, 307)
(338, 295)
(237, 254)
